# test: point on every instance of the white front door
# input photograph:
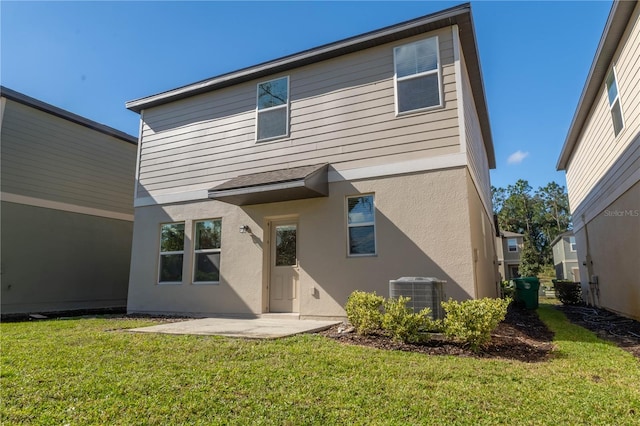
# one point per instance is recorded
(283, 281)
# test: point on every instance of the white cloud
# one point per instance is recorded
(517, 157)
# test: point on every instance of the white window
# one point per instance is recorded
(512, 243)
(572, 243)
(361, 226)
(614, 102)
(417, 75)
(171, 252)
(206, 256)
(273, 109)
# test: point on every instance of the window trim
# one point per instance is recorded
(166, 253)
(373, 223)
(509, 245)
(196, 252)
(285, 105)
(572, 245)
(437, 71)
(612, 104)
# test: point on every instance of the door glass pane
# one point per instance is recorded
(286, 245)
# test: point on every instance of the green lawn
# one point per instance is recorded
(89, 371)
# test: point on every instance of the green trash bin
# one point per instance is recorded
(527, 291)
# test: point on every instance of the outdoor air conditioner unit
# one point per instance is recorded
(424, 292)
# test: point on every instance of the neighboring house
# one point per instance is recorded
(285, 186)
(601, 157)
(565, 257)
(509, 248)
(67, 209)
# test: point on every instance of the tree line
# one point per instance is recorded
(539, 215)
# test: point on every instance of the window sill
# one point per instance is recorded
(273, 139)
(355, 256)
(206, 283)
(420, 110)
(170, 283)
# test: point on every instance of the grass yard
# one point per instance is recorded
(89, 371)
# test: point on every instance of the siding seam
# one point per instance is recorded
(56, 205)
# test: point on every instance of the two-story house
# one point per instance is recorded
(285, 186)
(601, 157)
(67, 209)
(565, 257)
(508, 250)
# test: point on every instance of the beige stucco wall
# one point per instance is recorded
(609, 245)
(422, 229)
(482, 245)
(54, 260)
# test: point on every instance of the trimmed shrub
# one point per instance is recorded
(508, 289)
(402, 323)
(568, 292)
(472, 321)
(364, 311)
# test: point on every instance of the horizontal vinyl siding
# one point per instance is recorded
(49, 158)
(476, 153)
(342, 112)
(598, 148)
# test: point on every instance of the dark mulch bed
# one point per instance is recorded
(622, 331)
(522, 336)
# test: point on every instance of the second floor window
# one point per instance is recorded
(512, 243)
(572, 243)
(273, 109)
(417, 75)
(614, 102)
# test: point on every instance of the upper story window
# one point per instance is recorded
(572, 243)
(417, 75)
(171, 252)
(512, 243)
(273, 109)
(361, 226)
(614, 101)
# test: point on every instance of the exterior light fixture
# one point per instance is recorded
(244, 229)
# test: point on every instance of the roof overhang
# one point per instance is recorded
(621, 12)
(560, 236)
(458, 15)
(10, 94)
(278, 185)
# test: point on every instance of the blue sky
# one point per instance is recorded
(91, 57)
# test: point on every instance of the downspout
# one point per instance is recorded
(593, 291)
(139, 154)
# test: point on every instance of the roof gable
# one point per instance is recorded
(621, 12)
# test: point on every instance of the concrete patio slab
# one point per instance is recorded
(258, 328)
